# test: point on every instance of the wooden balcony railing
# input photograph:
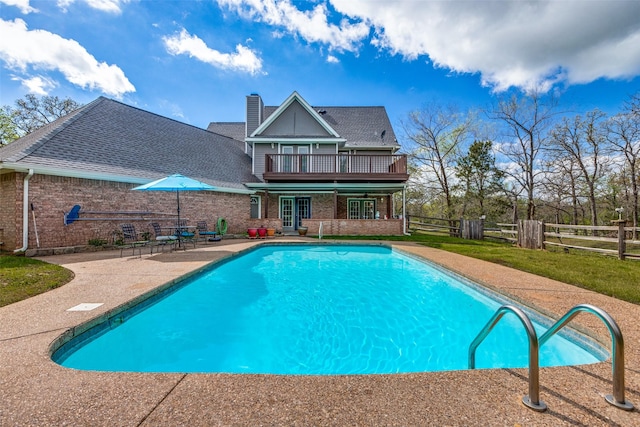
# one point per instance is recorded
(319, 167)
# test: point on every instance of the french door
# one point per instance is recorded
(295, 159)
(293, 210)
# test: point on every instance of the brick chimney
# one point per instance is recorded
(255, 109)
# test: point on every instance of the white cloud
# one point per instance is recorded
(40, 85)
(23, 50)
(312, 25)
(508, 43)
(332, 59)
(23, 5)
(110, 6)
(511, 43)
(243, 59)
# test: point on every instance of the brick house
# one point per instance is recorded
(287, 166)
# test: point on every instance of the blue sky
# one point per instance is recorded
(195, 61)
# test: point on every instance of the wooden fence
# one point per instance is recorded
(465, 228)
(450, 227)
(616, 239)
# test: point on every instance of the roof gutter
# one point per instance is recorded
(25, 212)
(43, 170)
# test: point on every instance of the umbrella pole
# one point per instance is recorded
(178, 228)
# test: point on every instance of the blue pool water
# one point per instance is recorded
(323, 309)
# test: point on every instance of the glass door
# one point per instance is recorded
(354, 209)
(287, 159)
(286, 213)
(293, 210)
(303, 209)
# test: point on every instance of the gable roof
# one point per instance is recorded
(294, 98)
(109, 140)
(359, 127)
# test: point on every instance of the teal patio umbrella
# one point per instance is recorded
(177, 183)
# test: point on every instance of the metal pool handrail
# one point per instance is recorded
(532, 400)
(617, 350)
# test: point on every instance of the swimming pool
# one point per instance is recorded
(315, 309)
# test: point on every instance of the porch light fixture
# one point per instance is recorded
(273, 145)
(317, 145)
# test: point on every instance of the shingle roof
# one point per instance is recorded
(109, 137)
(235, 130)
(360, 126)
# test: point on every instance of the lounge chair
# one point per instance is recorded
(131, 239)
(205, 233)
(163, 239)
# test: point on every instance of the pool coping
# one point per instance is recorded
(36, 391)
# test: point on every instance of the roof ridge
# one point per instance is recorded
(335, 106)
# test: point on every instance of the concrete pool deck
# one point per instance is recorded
(36, 391)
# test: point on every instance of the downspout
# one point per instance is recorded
(25, 213)
(404, 211)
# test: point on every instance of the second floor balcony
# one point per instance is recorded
(336, 167)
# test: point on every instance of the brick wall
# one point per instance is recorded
(355, 227)
(8, 202)
(53, 195)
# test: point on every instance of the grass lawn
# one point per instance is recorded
(604, 274)
(21, 278)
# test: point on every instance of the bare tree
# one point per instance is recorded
(561, 186)
(435, 135)
(582, 141)
(32, 113)
(623, 133)
(526, 121)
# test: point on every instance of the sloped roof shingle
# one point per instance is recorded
(113, 138)
(360, 126)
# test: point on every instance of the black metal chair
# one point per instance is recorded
(131, 240)
(184, 235)
(163, 239)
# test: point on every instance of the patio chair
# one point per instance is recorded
(163, 239)
(131, 240)
(185, 236)
(205, 233)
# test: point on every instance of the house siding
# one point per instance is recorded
(324, 149)
(295, 121)
(260, 150)
(254, 113)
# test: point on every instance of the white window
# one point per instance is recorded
(255, 206)
(361, 208)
